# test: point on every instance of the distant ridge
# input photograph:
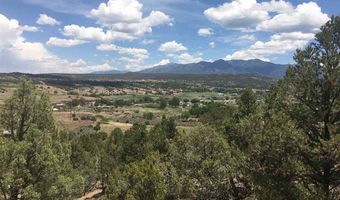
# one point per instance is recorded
(254, 66)
(109, 72)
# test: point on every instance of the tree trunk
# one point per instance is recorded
(326, 180)
(14, 193)
(327, 165)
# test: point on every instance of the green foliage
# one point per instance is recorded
(196, 110)
(136, 144)
(147, 99)
(90, 156)
(175, 101)
(273, 164)
(291, 146)
(203, 164)
(97, 127)
(31, 167)
(148, 116)
(140, 180)
(122, 102)
(314, 83)
(163, 103)
(77, 102)
(88, 117)
(213, 114)
(247, 103)
(24, 108)
(35, 157)
(216, 114)
(102, 101)
(195, 101)
(161, 133)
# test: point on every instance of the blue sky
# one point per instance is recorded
(79, 36)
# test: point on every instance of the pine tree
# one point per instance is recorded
(314, 83)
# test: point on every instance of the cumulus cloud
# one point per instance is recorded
(126, 17)
(276, 16)
(85, 68)
(172, 47)
(123, 50)
(17, 54)
(116, 11)
(278, 44)
(57, 42)
(307, 17)
(119, 20)
(205, 32)
(94, 34)
(238, 14)
(186, 58)
(293, 26)
(133, 57)
(47, 20)
(177, 52)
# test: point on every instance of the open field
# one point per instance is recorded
(6, 93)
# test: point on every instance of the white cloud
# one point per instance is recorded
(294, 26)
(250, 37)
(238, 14)
(205, 32)
(85, 68)
(29, 28)
(245, 14)
(79, 62)
(57, 42)
(134, 57)
(136, 52)
(278, 44)
(126, 16)
(132, 63)
(117, 11)
(94, 34)
(172, 47)
(147, 42)
(279, 6)
(47, 20)
(307, 17)
(212, 44)
(17, 54)
(275, 16)
(186, 58)
(162, 62)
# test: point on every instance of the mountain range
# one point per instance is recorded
(254, 66)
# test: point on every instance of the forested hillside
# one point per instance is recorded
(284, 147)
